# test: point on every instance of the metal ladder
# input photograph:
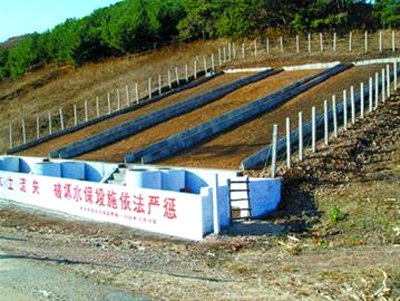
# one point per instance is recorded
(234, 187)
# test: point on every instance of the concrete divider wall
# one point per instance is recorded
(134, 156)
(143, 102)
(258, 159)
(234, 118)
(311, 66)
(376, 61)
(141, 123)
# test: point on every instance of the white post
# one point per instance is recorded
(313, 129)
(170, 79)
(395, 75)
(50, 124)
(345, 110)
(370, 96)
(86, 111)
(243, 50)
(334, 42)
(177, 76)
(109, 102)
(362, 100)
(297, 44)
(351, 41)
(380, 41)
(229, 52)
(187, 72)
(75, 115)
(234, 51)
(388, 81)
(149, 88)
(376, 90)
(273, 157)
(366, 41)
(37, 127)
(118, 100)
(212, 62)
(219, 57)
(353, 105)
(326, 124)
(137, 92)
(393, 41)
(334, 111)
(383, 85)
(159, 84)
(97, 107)
(215, 205)
(194, 73)
(128, 96)
(321, 39)
(309, 42)
(11, 136)
(281, 38)
(23, 131)
(288, 151)
(62, 119)
(224, 55)
(255, 47)
(267, 46)
(300, 136)
(205, 65)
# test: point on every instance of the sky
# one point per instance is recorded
(18, 17)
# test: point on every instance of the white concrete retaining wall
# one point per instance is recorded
(311, 66)
(259, 69)
(377, 61)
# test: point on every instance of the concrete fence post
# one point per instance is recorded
(309, 42)
(281, 39)
(137, 92)
(388, 81)
(321, 41)
(205, 65)
(62, 119)
(224, 55)
(297, 44)
(50, 124)
(86, 111)
(219, 57)
(75, 115)
(11, 136)
(362, 104)
(376, 90)
(366, 41)
(37, 127)
(370, 96)
(334, 41)
(187, 72)
(159, 84)
(353, 105)
(229, 51)
(383, 93)
(288, 150)
(255, 47)
(300, 136)
(345, 110)
(109, 102)
(350, 41)
(393, 41)
(243, 50)
(194, 73)
(215, 206)
(212, 62)
(395, 75)
(128, 96)
(380, 41)
(273, 157)
(97, 107)
(170, 77)
(234, 51)
(118, 100)
(177, 75)
(23, 131)
(335, 120)
(149, 88)
(313, 129)
(326, 123)
(267, 46)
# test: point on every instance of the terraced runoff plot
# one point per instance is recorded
(116, 152)
(56, 143)
(229, 149)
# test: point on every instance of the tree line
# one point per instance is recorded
(136, 25)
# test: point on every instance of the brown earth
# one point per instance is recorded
(229, 149)
(116, 152)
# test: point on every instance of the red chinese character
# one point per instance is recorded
(100, 197)
(125, 202)
(22, 184)
(10, 183)
(112, 199)
(67, 191)
(88, 195)
(169, 206)
(139, 206)
(57, 190)
(77, 193)
(153, 201)
(35, 187)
